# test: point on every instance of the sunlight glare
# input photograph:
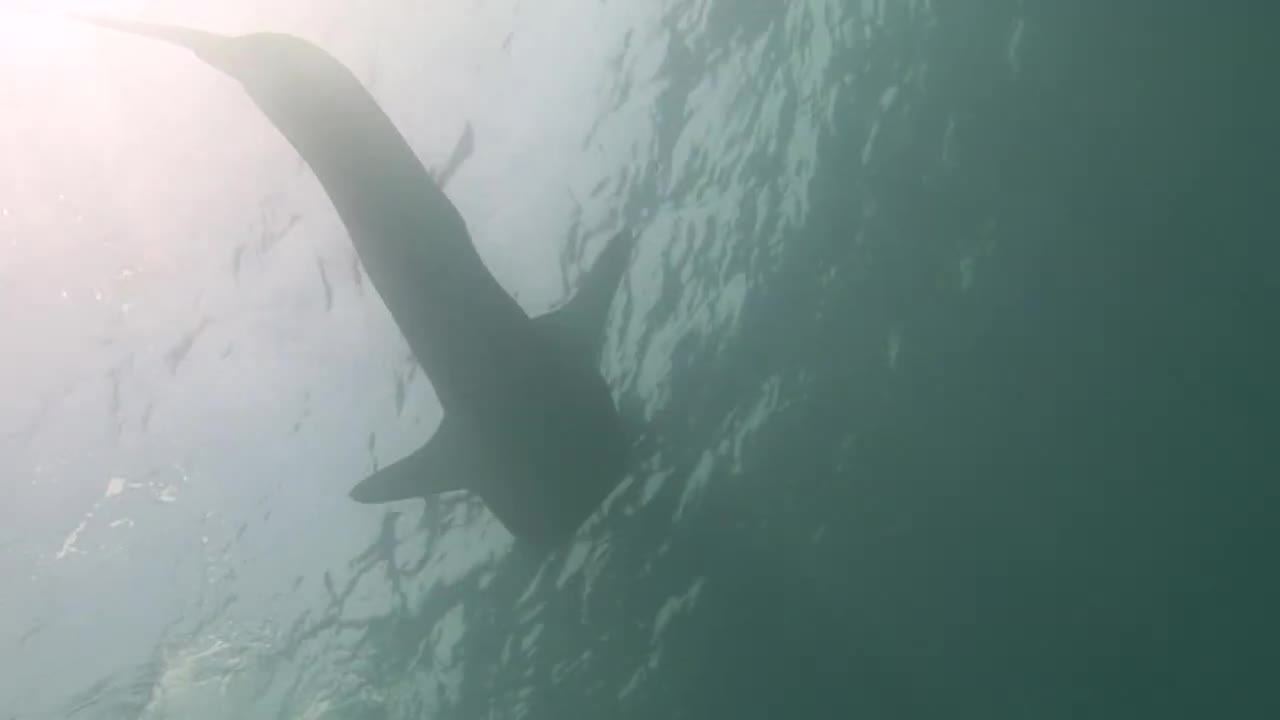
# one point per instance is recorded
(31, 35)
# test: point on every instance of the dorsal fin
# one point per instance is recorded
(580, 321)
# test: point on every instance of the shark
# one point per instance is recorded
(529, 422)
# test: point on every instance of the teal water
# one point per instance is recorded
(951, 323)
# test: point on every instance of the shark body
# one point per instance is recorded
(529, 423)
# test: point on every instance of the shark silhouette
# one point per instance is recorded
(529, 423)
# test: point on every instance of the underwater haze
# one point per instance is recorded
(951, 326)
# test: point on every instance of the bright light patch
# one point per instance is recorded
(115, 486)
(29, 36)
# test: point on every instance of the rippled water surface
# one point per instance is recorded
(939, 323)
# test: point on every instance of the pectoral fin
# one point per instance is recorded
(579, 323)
(466, 145)
(437, 467)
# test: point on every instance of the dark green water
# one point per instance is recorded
(955, 332)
